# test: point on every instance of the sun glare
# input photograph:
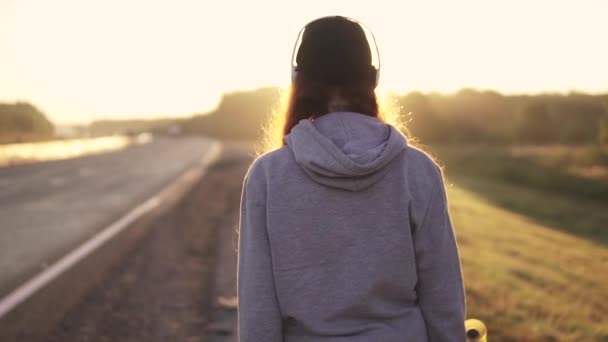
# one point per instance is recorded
(81, 60)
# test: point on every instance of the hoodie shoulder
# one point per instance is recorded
(424, 173)
(272, 157)
(262, 170)
(255, 181)
(263, 164)
(421, 161)
(425, 180)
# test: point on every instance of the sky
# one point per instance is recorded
(80, 60)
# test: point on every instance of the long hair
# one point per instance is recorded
(313, 98)
(308, 97)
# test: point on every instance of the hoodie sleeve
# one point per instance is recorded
(440, 287)
(259, 317)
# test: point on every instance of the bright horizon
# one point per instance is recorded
(83, 60)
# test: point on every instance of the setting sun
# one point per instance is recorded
(82, 60)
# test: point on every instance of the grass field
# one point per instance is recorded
(534, 255)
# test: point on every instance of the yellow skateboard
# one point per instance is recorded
(476, 330)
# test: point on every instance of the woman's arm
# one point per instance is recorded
(259, 317)
(440, 286)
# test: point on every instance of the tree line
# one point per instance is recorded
(488, 117)
(467, 116)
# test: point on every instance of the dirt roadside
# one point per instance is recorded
(177, 283)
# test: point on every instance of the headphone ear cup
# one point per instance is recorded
(374, 76)
(377, 78)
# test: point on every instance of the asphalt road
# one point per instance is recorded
(179, 282)
(47, 209)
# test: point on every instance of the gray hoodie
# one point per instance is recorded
(345, 235)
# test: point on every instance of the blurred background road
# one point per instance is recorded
(179, 282)
(49, 208)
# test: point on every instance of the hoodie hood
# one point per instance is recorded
(345, 150)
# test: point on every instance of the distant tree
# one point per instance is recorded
(576, 117)
(424, 123)
(602, 132)
(470, 115)
(534, 123)
(240, 115)
(22, 121)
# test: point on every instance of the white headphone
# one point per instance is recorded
(368, 34)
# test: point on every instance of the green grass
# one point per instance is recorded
(535, 258)
(543, 168)
(528, 281)
(564, 155)
(585, 218)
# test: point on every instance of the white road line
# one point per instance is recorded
(214, 152)
(19, 295)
